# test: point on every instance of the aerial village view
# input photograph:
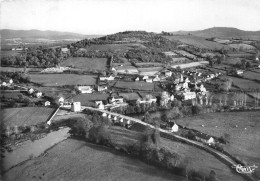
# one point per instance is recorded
(122, 104)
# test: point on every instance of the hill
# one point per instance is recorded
(37, 34)
(222, 32)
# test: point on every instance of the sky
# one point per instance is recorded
(111, 16)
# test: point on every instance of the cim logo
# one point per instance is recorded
(245, 169)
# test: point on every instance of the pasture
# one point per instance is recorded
(63, 79)
(77, 160)
(85, 99)
(192, 64)
(113, 47)
(150, 71)
(244, 83)
(243, 128)
(242, 46)
(25, 116)
(14, 69)
(199, 42)
(134, 85)
(84, 63)
(252, 75)
(127, 70)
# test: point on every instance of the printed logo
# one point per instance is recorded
(245, 169)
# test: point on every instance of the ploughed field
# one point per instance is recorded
(25, 116)
(63, 79)
(86, 63)
(78, 160)
(243, 128)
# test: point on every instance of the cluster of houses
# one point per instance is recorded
(35, 93)
(89, 89)
(7, 83)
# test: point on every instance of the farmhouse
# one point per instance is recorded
(168, 73)
(37, 94)
(61, 100)
(149, 80)
(116, 100)
(144, 100)
(175, 128)
(103, 78)
(76, 107)
(47, 103)
(239, 72)
(137, 79)
(30, 90)
(205, 139)
(64, 50)
(156, 79)
(189, 95)
(102, 88)
(85, 89)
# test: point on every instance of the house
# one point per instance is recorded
(239, 72)
(145, 77)
(102, 88)
(76, 107)
(189, 95)
(3, 83)
(205, 139)
(103, 78)
(116, 100)
(30, 90)
(47, 103)
(64, 50)
(149, 80)
(85, 89)
(156, 79)
(37, 94)
(144, 101)
(175, 128)
(201, 88)
(168, 73)
(11, 81)
(137, 79)
(61, 100)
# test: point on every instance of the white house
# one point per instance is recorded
(205, 139)
(76, 107)
(103, 78)
(143, 101)
(11, 81)
(85, 89)
(175, 128)
(189, 95)
(102, 88)
(156, 79)
(3, 83)
(47, 103)
(64, 50)
(145, 77)
(202, 88)
(30, 90)
(239, 72)
(116, 100)
(37, 94)
(61, 100)
(168, 73)
(149, 80)
(137, 79)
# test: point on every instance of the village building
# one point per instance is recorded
(168, 73)
(239, 72)
(189, 95)
(61, 100)
(37, 94)
(103, 78)
(145, 77)
(102, 88)
(116, 100)
(76, 107)
(85, 89)
(149, 80)
(64, 50)
(175, 128)
(137, 79)
(11, 81)
(3, 84)
(30, 90)
(146, 101)
(205, 139)
(47, 103)
(156, 79)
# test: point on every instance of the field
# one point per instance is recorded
(78, 160)
(243, 142)
(63, 79)
(9, 53)
(135, 85)
(86, 63)
(244, 83)
(25, 115)
(242, 46)
(252, 75)
(192, 64)
(197, 42)
(150, 71)
(13, 69)
(127, 70)
(199, 160)
(85, 99)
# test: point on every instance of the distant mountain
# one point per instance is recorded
(37, 34)
(221, 32)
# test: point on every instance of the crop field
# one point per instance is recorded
(25, 115)
(127, 70)
(148, 64)
(113, 47)
(252, 75)
(135, 85)
(63, 79)
(198, 159)
(197, 42)
(86, 63)
(78, 160)
(243, 128)
(242, 46)
(244, 83)
(239, 54)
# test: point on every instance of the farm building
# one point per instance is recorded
(168, 73)
(239, 72)
(115, 100)
(156, 79)
(64, 50)
(3, 84)
(189, 95)
(205, 139)
(85, 89)
(174, 128)
(170, 54)
(149, 80)
(137, 79)
(61, 100)
(102, 88)
(76, 107)
(47, 103)
(144, 100)
(103, 78)
(30, 90)
(37, 94)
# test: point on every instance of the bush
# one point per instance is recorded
(196, 109)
